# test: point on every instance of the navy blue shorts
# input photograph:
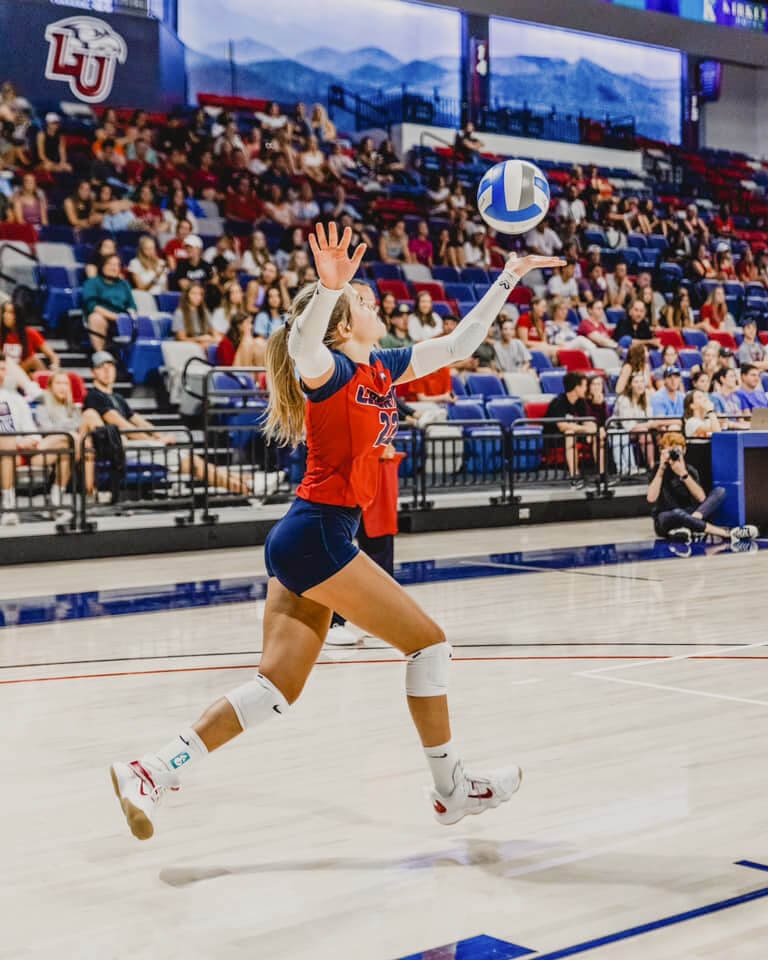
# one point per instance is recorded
(311, 543)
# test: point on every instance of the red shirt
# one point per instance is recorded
(348, 421)
(525, 323)
(708, 313)
(12, 346)
(225, 353)
(433, 385)
(248, 208)
(588, 326)
(421, 249)
(175, 248)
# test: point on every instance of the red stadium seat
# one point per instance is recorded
(671, 338)
(433, 288)
(75, 381)
(521, 295)
(397, 287)
(574, 360)
(725, 339)
(535, 409)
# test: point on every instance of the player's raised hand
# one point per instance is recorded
(332, 261)
(522, 265)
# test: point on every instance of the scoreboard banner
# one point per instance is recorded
(742, 14)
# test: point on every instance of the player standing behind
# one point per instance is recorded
(313, 564)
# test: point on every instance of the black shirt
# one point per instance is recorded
(674, 494)
(563, 409)
(624, 328)
(102, 403)
(201, 273)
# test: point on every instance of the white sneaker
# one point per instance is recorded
(140, 786)
(341, 636)
(9, 518)
(473, 794)
(747, 532)
(680, 535)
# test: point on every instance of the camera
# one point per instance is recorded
(674, 453)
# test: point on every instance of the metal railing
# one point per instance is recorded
(39, 478)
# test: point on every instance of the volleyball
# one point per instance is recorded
(513, 196)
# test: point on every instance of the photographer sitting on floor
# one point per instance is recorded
(680, 506)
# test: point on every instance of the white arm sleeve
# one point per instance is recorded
(440, 352)
(305, 341)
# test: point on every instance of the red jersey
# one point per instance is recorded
(12, 346)
(348, 421)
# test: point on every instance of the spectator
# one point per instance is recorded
(15, 417)
(476, 254)
(256, 291)
(634, 327)
(312, 162)
(646, 221)
(191, 320)
(435, 387)
(420, 246)
(636, 361)
(597, 408)
(321, 126)
(678, 313)
(223, 254)
(710, 359)
(79, 208)
(669, 358)
(424, 322)
(714, 314)
(301, 128)
(563, 283)
(452, 243)
(178, 209)
(748, 271)
(192, 268)
(570, 410)
(571, 206)
(113, 409)
(485, 354)
(146, 211)
(306, 209)
(22, 344)
(632, 414)
(58, 414)
(560, 332)
(699, 416)
(393, 245)
(388, 308)
(751, 351)
(233, 304)
(340, 206)
(680, 507)
(724, 269)
(593, 286)
(238, 347)
(243, 204)
(228, 141)
(594, 329)
(106, 248)
(108, 167)
(669, 401)
(723, 222)
(511, 354)
(700, 380)
(273, 119)
(175, 250)
(341, 166)
(438, 194)
(297, 264)
(390, 165)
(278, 208)
(701, 266)
(751, 392)
(52, 146)
(367, 159)
(271, 317)
(467, 146)
(727, 400)
(105, 297)
(398, 324)
(147, 271)
(621, 290)
(256, 255)
(30, 204)
(204, 180)
(543, 240)
(645, 282)
(532, 328)
(694, 226)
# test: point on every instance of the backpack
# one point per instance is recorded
(108, 449)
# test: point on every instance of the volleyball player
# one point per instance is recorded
(345, 404)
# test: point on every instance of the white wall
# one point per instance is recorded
(407, 136)
(737, 121)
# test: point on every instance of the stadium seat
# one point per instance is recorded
(551, 381)
(435, 290)
(145, 302)
(486, 384)
(540, 361)
(445, 274)
(671, 338)
(614, 314)
(689, 359)
(521, 384)
(695, 338)
(536, 409)
(385, 271)
(474, 275)
(574, 360)
(396, 287)
(466, 410)
(76, 382)
(457, 385)
(168, 302)
(505, 409)
(459, 291)
(417, 273)
(725, 339)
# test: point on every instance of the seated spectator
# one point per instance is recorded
(634, 327)
(340, 206)
(594, 329)
(30, 204)
(632, 411)
(563, 283)
(651, 311)
(340, 166)
(175, 250)
(256, 255)
(192, 268)
(700, 381)
(147, 271)
(593, 286)
(646, 221)
(191, 320)
(57, 413)
(312, 162)
(105, 297)
(711, 361)
(146, 211)
(435, 387)
(238, 347)
(273, 119)
(702, 267)
(204, 179)
(15, 417)
(297, 265)
(724, 269)
(727, 401)
(256, 291)
(699, 416)
(485, 354)
(750, 350)
(106, 248)
(569, 408)
(723, 222)
(669, 358)
(397, 324)
(52, 146)
(421, 247)
(424, 323)
(323, 128)
(223, 253)
(451, 250)
(388, 308)
(532, 328)
(476, 253)
(467, 146)
(438, 194)
(669, 401)
(678, 314)
(595, 399)
(232, 305)
(543, 240)
(228, 141)
(393, 245)
(714, 314)
(645, 282)
(271, 317)
(22, 344)
(636, 361)
(113, 409)
(694, 226)
(571, 206)
(178, 209)
(511, 354)
(306, 209)
(277, 208)
(108, 167)
(748, 271)
(620, 289)
(79, 208)
(560, 332)
(751, 392)
(680, 506)
(244, 205)
(390, 165)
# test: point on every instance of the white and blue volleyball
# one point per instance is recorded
(513, 196)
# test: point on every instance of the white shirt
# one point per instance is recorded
(145, 274)
(545, 244)
(15, 414)
(557, 287)
(572, 210)
(418, 331)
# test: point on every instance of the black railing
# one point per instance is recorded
(39, 478)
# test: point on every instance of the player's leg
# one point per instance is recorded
(294, 631)
(363, 593)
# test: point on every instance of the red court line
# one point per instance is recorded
(352, 663)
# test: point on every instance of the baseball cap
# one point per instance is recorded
(671, 372)
(403, 308)
(193, 241)
(749, 318)
(100, 358)
(52, 118)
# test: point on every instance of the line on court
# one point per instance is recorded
(534, 568)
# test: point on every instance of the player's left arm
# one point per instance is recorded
(430, 355)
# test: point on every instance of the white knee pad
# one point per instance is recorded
(256, 700)
(426, 674)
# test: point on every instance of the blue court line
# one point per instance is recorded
(488, 948)
(155, 598)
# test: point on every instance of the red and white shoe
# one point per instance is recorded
(140, 786)
(475, 794)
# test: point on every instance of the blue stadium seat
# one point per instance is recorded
(657, 242)
(551, 381)
(168, 302)
(486, 384)
(55, 276)
(474, 275)
(505, 409)
(637, 240)
(446, 274)
(465, 306)
(459, 291)
(60, 300)
(540, 361)
(689, 359)
(457, 385)
(442, 308)
(595, 236)
(695, 338)
(614, 314)
(481, 289)
(385, 271)
(465, 409)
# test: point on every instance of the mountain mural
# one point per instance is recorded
(582, 86)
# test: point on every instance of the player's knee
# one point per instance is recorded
(256, 700)
(426, 673)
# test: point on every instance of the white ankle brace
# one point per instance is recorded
(426, 674)
(256, 700)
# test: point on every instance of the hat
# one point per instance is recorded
(52, 118)
(403, 308)
(193, 241)
(100, 358)
(671, 372)
(748, 318)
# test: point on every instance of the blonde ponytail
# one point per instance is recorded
(286, 408)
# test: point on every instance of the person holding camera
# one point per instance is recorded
(680, 507)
